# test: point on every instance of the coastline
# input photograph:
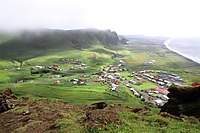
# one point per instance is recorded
(190, 58)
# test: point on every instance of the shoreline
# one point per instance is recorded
(190, 58)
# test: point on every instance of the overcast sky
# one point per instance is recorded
(148, 17)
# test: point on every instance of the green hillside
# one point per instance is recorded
(59, 103)
(28, 44)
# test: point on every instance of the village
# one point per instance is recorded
(111, 77)
(158, 95)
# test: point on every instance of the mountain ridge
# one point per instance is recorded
(52, 39)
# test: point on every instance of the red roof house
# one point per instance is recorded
(55, 66)
(160, 90)
(195, 84)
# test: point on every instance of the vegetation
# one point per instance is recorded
(96, 49)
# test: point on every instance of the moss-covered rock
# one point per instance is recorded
(183, 100)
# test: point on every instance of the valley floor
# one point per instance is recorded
(75, 77)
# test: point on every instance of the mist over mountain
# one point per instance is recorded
(29, 42)
(146, 39)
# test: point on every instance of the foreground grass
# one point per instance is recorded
(154, 123)
(57, 116)
(93, 92)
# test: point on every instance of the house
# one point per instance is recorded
(117, 81)
(168, 85)
(154, 80)
(135, 92)
(117, 74)
(119, 65)
(122, 79)
(147, 90)
(159, 102)
(158, 71)
(128, 85)
(164, 97)
(82, 79)
(156, 92)
(167, 82)
(114, 87)
(56, 82)
(55, 66)
(37, 67)
(151, 93)
(132, 82)
(81, 82)
(161, 83)
(151, 77)
(86, 75)
(162, 91)
(196, 84)
(55, 76)
(74, 81)
(121, 62)
(71, 68)
(149, 63)
(85, 68)
(110, 77)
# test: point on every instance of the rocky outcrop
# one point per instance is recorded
(183, 101)
(5, 104)
(99, 105)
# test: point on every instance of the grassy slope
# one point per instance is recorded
(168, 61)
(135, 55)
(29, 44)
(42, 88)
(57, 116)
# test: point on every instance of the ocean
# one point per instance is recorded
(189, 48)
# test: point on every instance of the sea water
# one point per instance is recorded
(189, 48)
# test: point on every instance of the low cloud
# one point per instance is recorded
(155, 17)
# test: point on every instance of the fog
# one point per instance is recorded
(147, 17)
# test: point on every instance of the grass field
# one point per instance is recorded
(97, 56)
(165, 60)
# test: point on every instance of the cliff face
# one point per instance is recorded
(183, 100)
(47, 38)
(28, 42)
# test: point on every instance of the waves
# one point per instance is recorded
(188, 50)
